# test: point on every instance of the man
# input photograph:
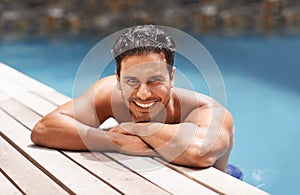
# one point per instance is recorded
(155, 119)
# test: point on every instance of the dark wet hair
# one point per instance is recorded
(144, 39)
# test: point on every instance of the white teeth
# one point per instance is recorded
(144, 105)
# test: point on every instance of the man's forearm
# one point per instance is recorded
(63, 132)
(177, 143)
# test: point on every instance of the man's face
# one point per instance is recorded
(145, 85)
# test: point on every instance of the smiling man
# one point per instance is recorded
(155, 118)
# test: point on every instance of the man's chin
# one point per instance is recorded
(141, 119)
(145, 116)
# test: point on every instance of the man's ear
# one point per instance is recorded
(118, 81)
(172, 76)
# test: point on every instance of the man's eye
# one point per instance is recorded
(155, 80)
(132, 81)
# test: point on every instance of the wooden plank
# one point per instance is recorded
(161, 175)
(11, 89)
(216, 179)
(17, 78)
(36, 103)
(6, 186)
(27, 176)
(60, 168)
(21, 113)
(3, 97)
(115, 174)
(54, 97)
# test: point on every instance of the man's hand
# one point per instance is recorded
(131, 144)
(138, 129)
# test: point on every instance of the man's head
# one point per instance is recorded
(144, 56)
(143, 39)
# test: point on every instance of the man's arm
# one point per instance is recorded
(60, 131)
(74, 126)
(202, 138)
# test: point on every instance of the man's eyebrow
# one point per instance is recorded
(130, 77)
(160, 76)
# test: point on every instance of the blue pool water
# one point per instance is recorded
(261, 76)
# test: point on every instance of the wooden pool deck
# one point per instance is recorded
(28, 169)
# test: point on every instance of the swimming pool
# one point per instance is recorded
(262, 86)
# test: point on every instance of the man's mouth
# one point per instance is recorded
(144, 105)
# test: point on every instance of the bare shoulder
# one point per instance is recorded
(86, 107)
(191, 99)
(204, 106)
(108, 82)
(102, 92)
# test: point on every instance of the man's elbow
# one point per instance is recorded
(196, 161)
(201, 161)
(204, 162)
(39, 133)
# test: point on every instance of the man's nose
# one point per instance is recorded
(143, 91)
